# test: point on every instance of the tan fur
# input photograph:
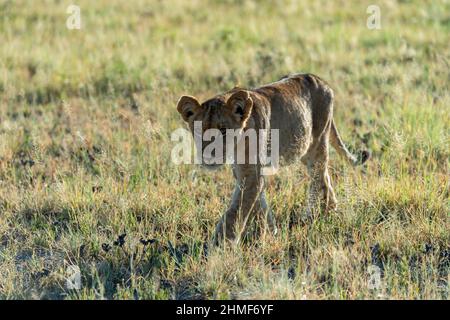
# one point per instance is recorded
(301, 107)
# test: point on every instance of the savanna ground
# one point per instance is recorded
(85, 123)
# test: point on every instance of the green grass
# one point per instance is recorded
(85, 123)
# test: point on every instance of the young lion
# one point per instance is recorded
(300, 106)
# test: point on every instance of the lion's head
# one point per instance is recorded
(221, 113)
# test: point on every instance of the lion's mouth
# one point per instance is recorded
(212, 166)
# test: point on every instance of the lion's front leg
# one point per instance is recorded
(226, 226)
(246, 201)
(268, 215)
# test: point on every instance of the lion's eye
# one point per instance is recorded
(223, 131)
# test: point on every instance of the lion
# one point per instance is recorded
(300, 106)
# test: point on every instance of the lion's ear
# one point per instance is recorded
(240, 105)
(187, 106)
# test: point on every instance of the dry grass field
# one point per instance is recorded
(86, 180)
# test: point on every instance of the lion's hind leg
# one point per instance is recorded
(321, 195)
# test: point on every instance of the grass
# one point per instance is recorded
(85, 123)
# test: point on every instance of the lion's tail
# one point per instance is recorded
(340, 147)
